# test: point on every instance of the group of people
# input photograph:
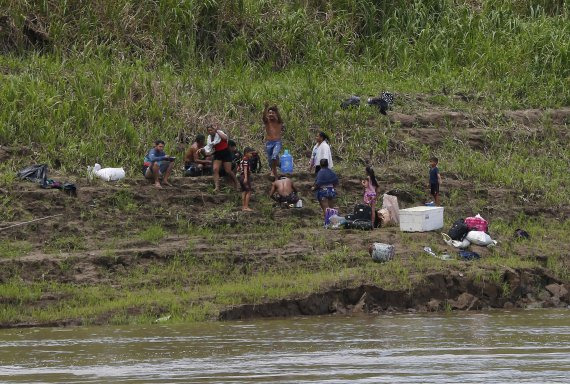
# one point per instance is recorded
(216, 154)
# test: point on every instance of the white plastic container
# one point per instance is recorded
(421, 219)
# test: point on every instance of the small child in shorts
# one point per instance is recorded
(245, 178)
(434, 179)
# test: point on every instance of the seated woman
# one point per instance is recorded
(325, 186)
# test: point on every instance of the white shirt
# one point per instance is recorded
(321, 151)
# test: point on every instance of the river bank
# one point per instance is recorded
(125, 253)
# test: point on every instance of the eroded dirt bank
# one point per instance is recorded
(440, 291)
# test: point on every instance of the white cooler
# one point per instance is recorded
(421, 219)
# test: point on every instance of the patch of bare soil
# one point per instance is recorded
(434, 127)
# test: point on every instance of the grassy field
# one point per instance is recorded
(86, 82)
(110, 78)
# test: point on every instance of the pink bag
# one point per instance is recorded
(477, 223)
(329, 212)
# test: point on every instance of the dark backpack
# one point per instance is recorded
(458, 230)
(359, 218)
(365, 225)
(361, 212)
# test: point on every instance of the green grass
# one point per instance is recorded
(153, 234)
(65, 243)
(12, 249)
(152, 78)
(193, 286)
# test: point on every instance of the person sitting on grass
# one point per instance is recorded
(195, 163)
(325, 186)
(283, 191)
(158, 165)
(245, 179)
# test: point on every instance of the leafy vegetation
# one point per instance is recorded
(112, 77)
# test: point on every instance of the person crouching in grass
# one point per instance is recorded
(157, 165)
(245, 178)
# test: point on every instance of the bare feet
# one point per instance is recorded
(247, 209)
(157, 185)
(167, 183)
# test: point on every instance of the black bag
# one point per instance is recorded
(365, 225)
(458, 230)
(192, 171)
(521, 234)
(361, 212)
(36, 173)
(360, 218)
(469, 255)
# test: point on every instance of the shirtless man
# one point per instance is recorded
(194, 158)
(273, 129)
(284, 191)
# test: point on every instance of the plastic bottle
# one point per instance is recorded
(286, 162)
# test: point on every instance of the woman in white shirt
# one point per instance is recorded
(321, 150)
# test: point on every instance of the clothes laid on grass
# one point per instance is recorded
(38, 173)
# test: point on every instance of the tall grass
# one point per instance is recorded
(114, 76)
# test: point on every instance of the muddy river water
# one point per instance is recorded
(531, 346)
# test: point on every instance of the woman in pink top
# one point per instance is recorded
(370, 188)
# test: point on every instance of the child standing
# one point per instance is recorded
(245, 178)
(434, 179)
(370, 191)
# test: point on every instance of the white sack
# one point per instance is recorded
(480, 238)
(108, 174)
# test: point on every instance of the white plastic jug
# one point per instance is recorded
(286, 164)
